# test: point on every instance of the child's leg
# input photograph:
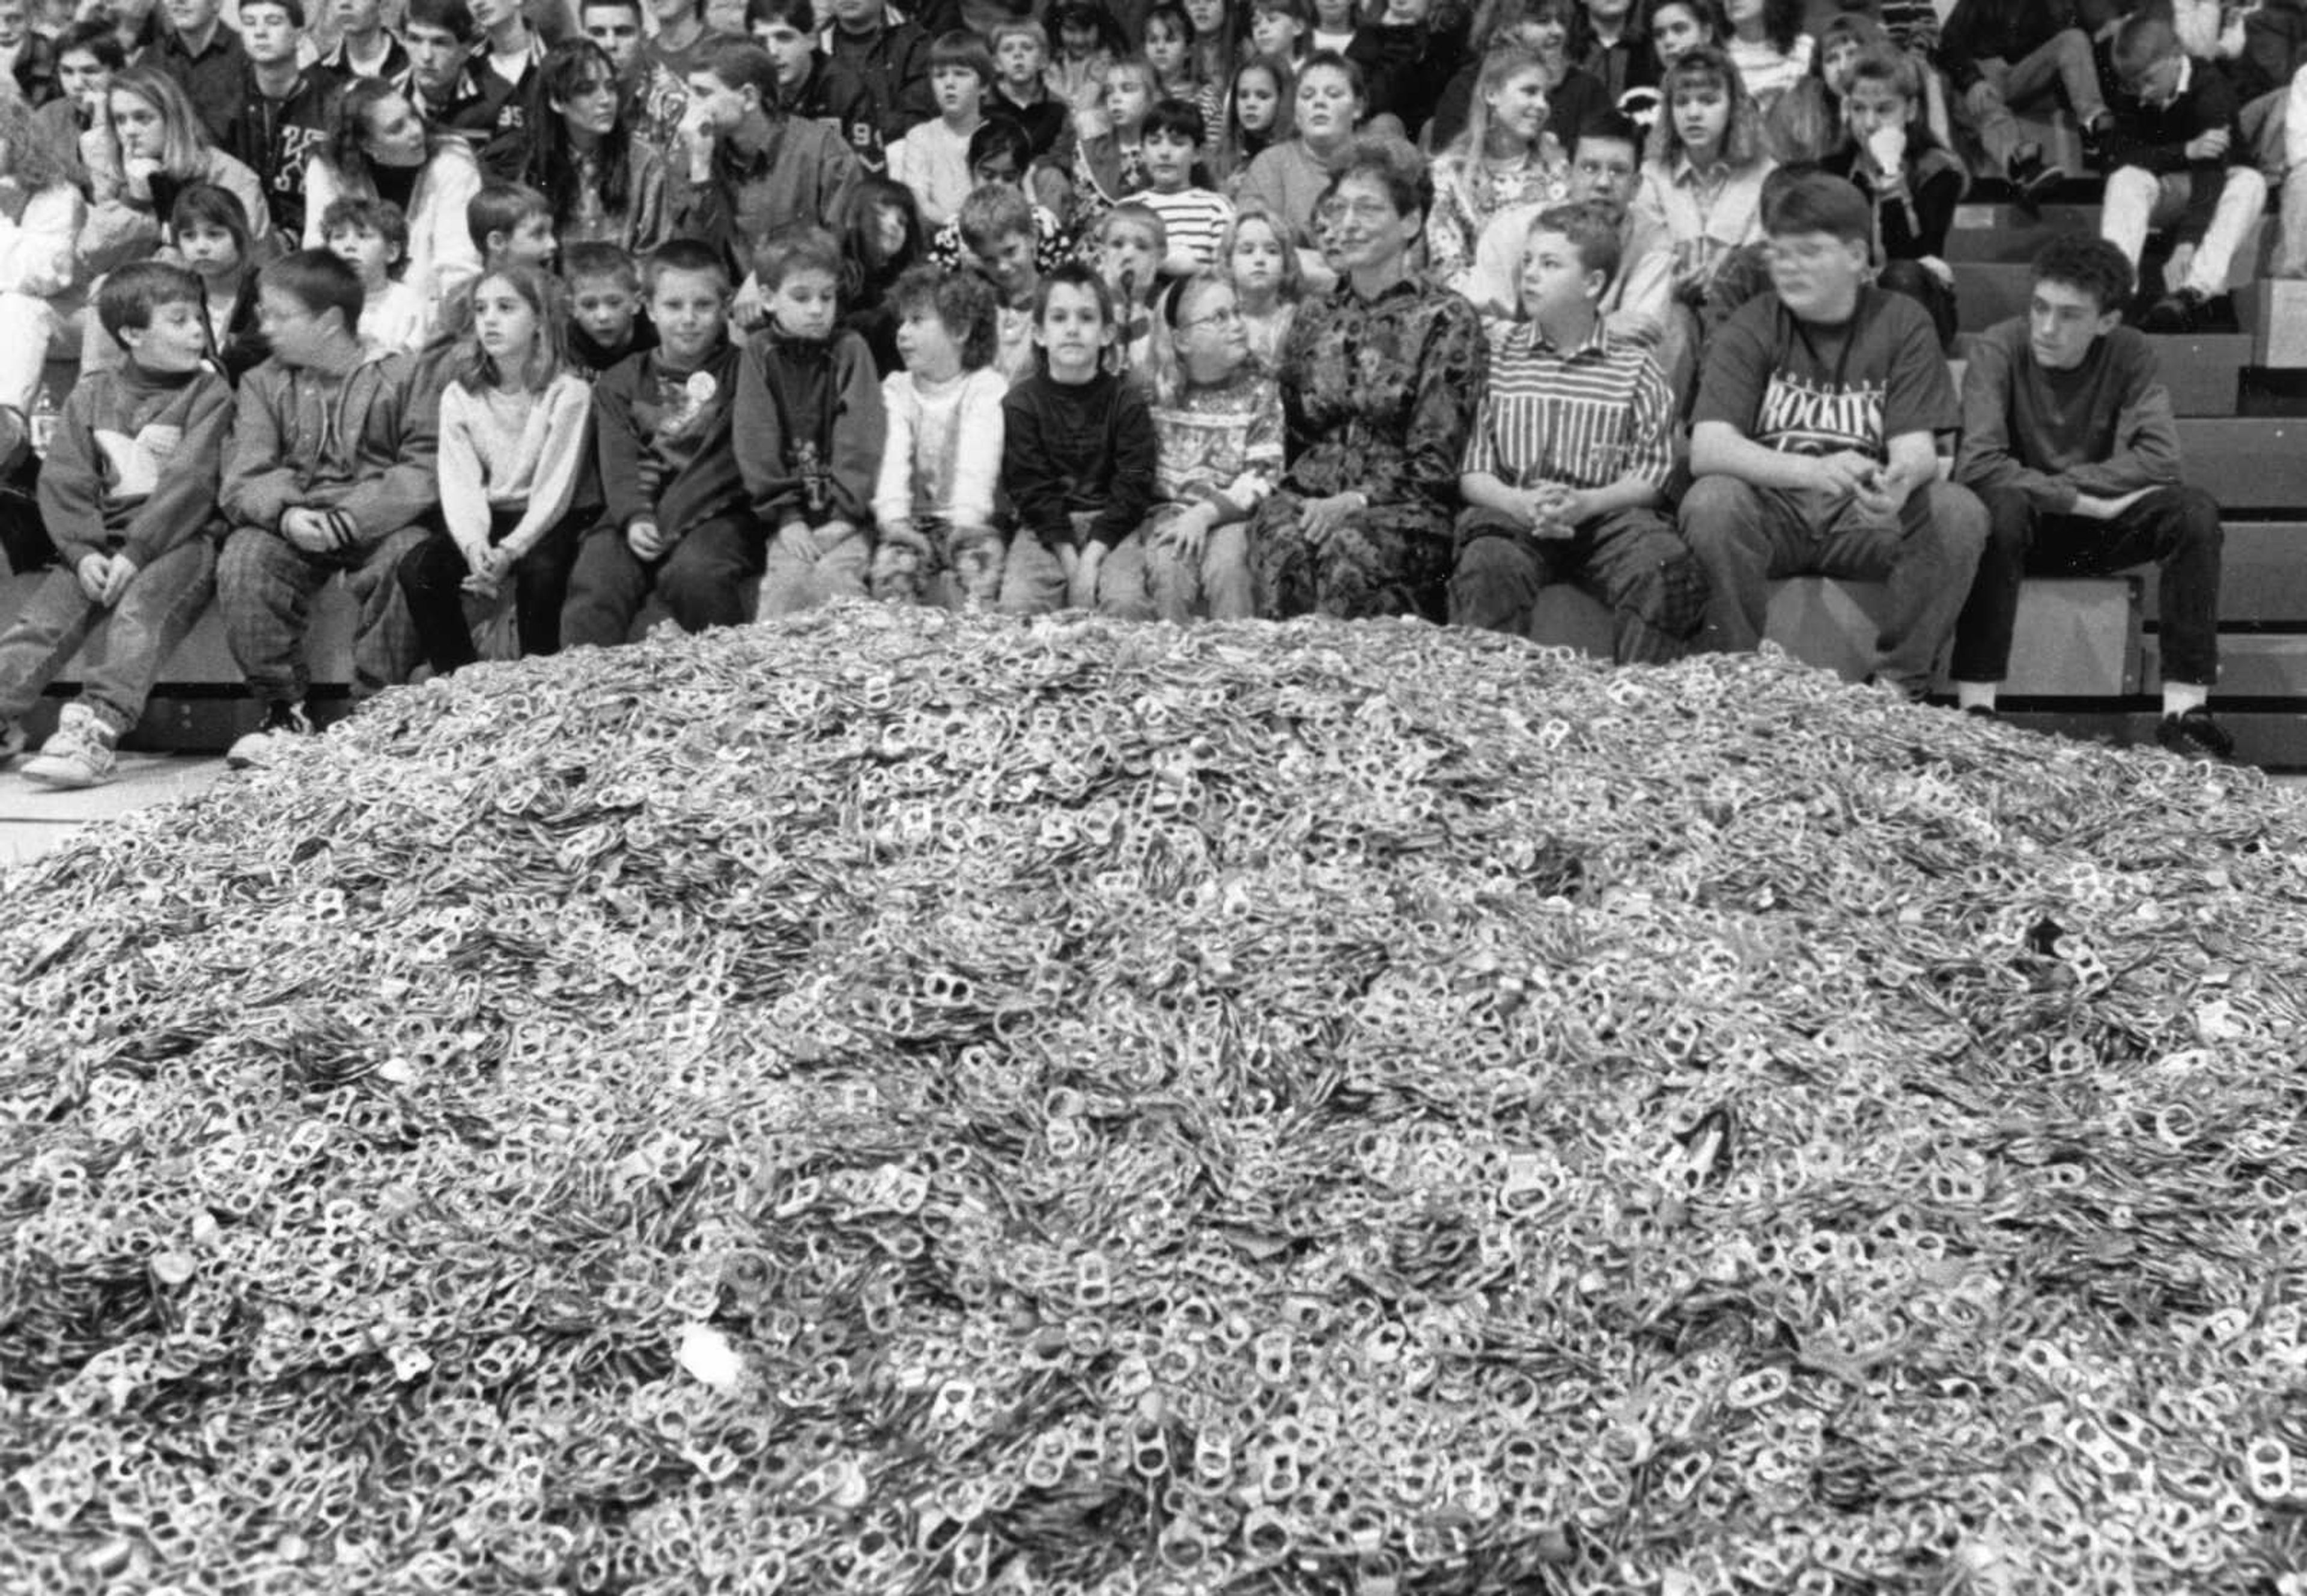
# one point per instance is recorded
(41, 640)
(1033, 581)
(698, 581)
(903, 562)
(974, 561)
(27, 324)
(842, 565)
(607, 583)
(129, 647)
(1227, 592)
(432, 581)
(1172, 582)
(541, 587)
(787, 569)
(2134, 197)
(1121, 588)
(265, 587)
(2242, 197)
(385, 651)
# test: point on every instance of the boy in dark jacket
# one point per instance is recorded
(678, 537)
(876, 45)
(1078, 452)
(286, 111)
(1996, 54)
(809, 430)
(333, 468)
(2177, 155)
(129, 493)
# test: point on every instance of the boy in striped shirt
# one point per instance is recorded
(1566, 469)
(1194, 218)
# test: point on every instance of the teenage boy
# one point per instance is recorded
(1193, 220)
(333, 468)
(198, 50)
(1567, 471)
(1605, 170)
(654, 98)
(677, 538)
(683, 42)
(933, 159)
(747, 162)
(1021, 54)
(442, 82)
(808, 429)
(286, 110)
(810, 85)
(2067, 439)
(1812, 442)
(890, 56)
(1996, 54)
(505, 64)
(1077, 458)
(128, 493)
(606, 324)
(2176, 154)
(364, 48)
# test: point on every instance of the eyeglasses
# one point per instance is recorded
(1230, 316)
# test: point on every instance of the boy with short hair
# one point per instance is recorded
(810, 83)
(1021, 50)
(875, 44)
(1193, 220)
(808, 429)
(1078, 455)
(439, 82)
(511, 222)
(605, 321)
(2067, 440)
(678, 537)
(2177, 153)
(286, 109)
(365, 46)
(1567, 471)
(932, 159)
(1132, 243)
(654, 98)
(332, 468)
(504, 62)
(998, 229)
(750, 166)
(128, 493)
(372, 238)
(1812, 442)
(1606, 164)
(201, 51)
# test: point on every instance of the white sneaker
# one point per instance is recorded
(284, 723)
(80, 754)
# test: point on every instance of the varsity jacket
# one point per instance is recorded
(273, 137)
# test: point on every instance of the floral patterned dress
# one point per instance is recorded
(1467, 191)
(1378, 397)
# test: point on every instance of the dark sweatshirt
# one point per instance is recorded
(892, 64)
(273, 137)
(663, 438)
(1978, 30)
(1078, 449)
(1406, 66)
(2273, 47)
(2104, 428)
(808, 428)
(134, 462)
(2155, 137)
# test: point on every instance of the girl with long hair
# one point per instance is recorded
(1505, 157)
(604, 185)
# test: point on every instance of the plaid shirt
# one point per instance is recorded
(1584, 417)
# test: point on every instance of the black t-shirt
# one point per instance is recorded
(1803, 388)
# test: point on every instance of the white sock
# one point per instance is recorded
(2179, 697)
(1975, 695)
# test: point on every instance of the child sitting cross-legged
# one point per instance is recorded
(933, 503)
(808, 429)
(128, 493)
(677, 538)
(513, 432)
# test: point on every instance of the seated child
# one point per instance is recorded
(1131, 245)
(129, 493)
(677, 538)
(212, 239)
(1702, 184)
(332, 468)
(1078, 456)
(1268, 280)
(371, 236)
(1218, 419)
(932, 159)
(1109, 162)
(808, 429)
(2176, 153)
(1020, 49)
(1194, 218)
(999, 227)
(933, 502)
(605, 321)
(2067, 440)
(998, 158)
(513, 435)
(1564, 477)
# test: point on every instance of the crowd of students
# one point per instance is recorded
(545, 326)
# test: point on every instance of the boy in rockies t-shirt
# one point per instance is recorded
(1812, 442)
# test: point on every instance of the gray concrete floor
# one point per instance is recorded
(34, 819)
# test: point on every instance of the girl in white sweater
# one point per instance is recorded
(933, 503)
(514, 421)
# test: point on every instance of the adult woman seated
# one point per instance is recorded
(379, 150)
(1380, 379)
(40, 216)
(605, 185)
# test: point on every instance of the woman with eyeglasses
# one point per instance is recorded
(1380, 378)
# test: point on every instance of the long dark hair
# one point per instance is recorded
(347, 149)
(572, 68)
(865, 271)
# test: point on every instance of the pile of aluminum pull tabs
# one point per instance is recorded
(895, 1102)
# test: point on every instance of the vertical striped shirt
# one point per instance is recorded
(1584, 417)
(1193, 220)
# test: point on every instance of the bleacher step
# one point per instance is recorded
(2262, 573)
(2248, 464)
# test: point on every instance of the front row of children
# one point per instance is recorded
(785, 460)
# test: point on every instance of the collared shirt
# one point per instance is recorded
(339, 59)
(1707, 213)
(212, 78)
(1584, 417)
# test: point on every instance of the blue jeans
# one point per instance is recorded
(126, 644)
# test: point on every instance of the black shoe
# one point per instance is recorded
(1983, 711)
(2179, 311)
(2195, 735)
(2031, 179)
(2095, 133)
